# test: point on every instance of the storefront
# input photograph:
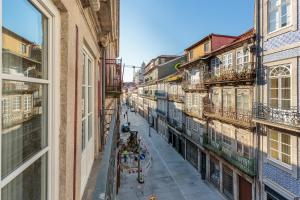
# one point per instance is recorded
(214, 176)
(192, 154)
(227, 182)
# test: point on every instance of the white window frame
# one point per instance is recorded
(215, 66)
(51, 12)
(279, 88)
(206, 47)
(27, 103)
(227, 60)
(278, 19)
(16, 103)
(279, 161)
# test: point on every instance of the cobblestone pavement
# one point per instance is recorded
(170, 177)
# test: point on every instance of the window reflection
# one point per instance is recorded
(31, 184)
(24, 122)
(24, 51)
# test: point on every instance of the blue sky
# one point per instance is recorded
(153, 27)
(22, 18)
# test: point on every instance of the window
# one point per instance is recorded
(215, 65)
(191, 54)
(27, 103)
(206, 47)
(5, 105)
(25, 151)
(87, 110)
(16, 106)
(23, 49)
(227, 60)
(239, 58)
(227, 99)
(279, 14)
(280, 87)
(242, 102)
(279, 146)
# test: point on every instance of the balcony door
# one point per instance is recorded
(87, 137)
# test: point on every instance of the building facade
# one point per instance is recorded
(277, 101)
(55, 80)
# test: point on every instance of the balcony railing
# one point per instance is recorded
(160, 94)
(230, 115)
(113, 82)
(244, 73)
(186, 86)
(193, 112)
(288, 116)
(176, 97)
(248, 165)
(160, 111)
(175, 124)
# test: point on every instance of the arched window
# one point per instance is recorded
(280, 87)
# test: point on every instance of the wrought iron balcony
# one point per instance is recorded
(113, 82)
(286, 116)
(160, 94)
(160, 111)
(175, 124)
(193, 112)
(186, 86)
(230, 115)
(236, 73)
(176, 97)
(247, 165)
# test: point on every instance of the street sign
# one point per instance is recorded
(142, 156)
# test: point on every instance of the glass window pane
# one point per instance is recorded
(274, 145)
(274, 83)
(90, 127)
(286, 159)
(31, 184)
(83, 102)
(90, 72)
(83, 133)
(274, 154)
(286, 104)
(273, 135)
(285, 82)
(24, 133)
(286, 149)
(286, 139)
(24, 40)
(285, 93)
(274, 103)
(274, 93)
(90, 99)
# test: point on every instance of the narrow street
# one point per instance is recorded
(170, 177)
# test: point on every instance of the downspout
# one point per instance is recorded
(102, 121)
(258, 184)
(75, 116)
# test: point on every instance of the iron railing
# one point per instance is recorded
(113, 82)
(176, 97)
(243, 72)
(160, 111)
(230, 114)
(106, 178)
(186, 86)
(160, 94)
(248, 165)
(175, 124)
(287, 116)
(194, 112)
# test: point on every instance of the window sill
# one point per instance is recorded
(285, 167)
(280, 31)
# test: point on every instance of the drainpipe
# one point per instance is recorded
(258, 183)
(75, 116)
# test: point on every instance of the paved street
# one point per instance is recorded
(170, 177)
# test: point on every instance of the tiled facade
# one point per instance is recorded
(280, 166)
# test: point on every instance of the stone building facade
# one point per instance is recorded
(58, 75)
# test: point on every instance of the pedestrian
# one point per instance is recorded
(124, 116)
